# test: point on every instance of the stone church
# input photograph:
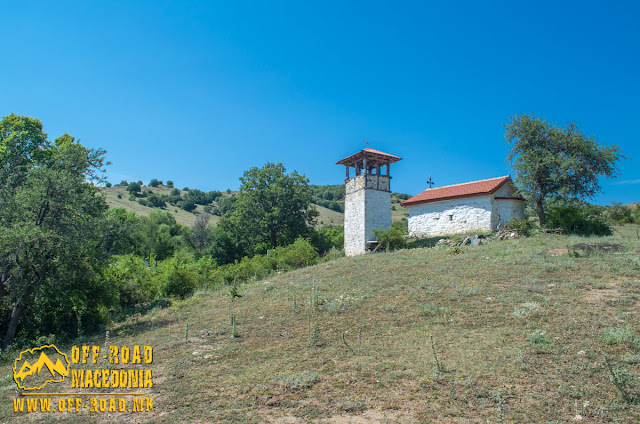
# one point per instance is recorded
(485, 205)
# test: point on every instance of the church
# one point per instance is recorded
(485, 205)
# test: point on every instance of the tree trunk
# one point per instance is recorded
(540, 210)
(20, 306)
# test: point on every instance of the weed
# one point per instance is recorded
(539, 341)
(616, 336)
(297, 380)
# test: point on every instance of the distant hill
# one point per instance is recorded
(328, 200)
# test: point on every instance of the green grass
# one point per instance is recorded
(371, 322)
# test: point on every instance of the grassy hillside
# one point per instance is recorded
(519, 330)
(326, 217)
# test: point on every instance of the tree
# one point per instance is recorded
(272, 209)
(51, 222)
(154, 183)
(134, 187)
(170, 184)
(550, 160)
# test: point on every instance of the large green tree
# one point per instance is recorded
(51, 218)
(550, 160)
(272, 209)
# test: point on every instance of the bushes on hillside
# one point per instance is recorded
(620, 214)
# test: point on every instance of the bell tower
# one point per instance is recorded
(367, 203)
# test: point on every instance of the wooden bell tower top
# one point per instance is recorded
(368, 161)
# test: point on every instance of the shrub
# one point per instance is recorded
(392, 238)
(620, 214)
(297, 255)
(178, 281)
(156, 201)
(170, 184)
(154, 183)
(522, 226)
(187, 204)
(108, 184)
(578, 219)
(134, 187)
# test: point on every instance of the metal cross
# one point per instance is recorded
(366, 143)
(431, 183)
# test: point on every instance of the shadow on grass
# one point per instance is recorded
(426, 242)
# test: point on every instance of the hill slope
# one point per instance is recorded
(510, 331)
(118, 197)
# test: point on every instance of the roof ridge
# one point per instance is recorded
(470, 182)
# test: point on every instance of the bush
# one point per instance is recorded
(620, 214)
(156, 201)
(134, 188)
(522, 226)
(187, 204)
(107, 184)
(392, 238)
(154, 183)
(170, 184)
(178, 281)
(578, 220)
(297, 255)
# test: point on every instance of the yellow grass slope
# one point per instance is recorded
(510, 331)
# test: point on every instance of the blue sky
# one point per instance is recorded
(198, 92)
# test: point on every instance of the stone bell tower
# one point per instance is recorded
(367, 204)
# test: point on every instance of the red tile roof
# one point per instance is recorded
(455, 191)
(370, 153)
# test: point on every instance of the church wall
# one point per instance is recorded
(504, 210)
(450, 216)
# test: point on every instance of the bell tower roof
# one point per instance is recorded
(372, 157)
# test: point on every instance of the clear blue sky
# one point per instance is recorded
(198, 92)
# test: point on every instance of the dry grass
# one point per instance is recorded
(520, 332)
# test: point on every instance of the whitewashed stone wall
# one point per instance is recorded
(450, 217)
(504, 210)
(367, 206)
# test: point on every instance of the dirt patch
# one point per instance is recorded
(599, 296)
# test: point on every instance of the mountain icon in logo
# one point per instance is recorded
(34, 368)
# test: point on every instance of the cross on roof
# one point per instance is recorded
(431, 183)
(366, 142)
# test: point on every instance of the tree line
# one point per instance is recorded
(69, 265)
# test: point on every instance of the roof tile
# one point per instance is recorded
(471, 189)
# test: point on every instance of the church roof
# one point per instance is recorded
(457, 191)
(369, 153)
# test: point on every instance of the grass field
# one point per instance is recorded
(519, 330)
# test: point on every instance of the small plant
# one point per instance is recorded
(539, 341)
(456, 250)
(234, 331)
(233, 292)
(297, 380)
(623, 380)
(439, 365)
(616, 336)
